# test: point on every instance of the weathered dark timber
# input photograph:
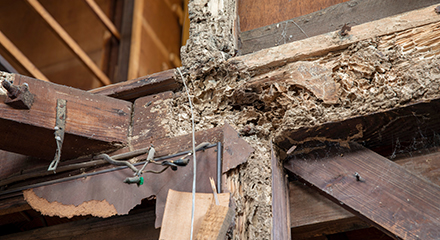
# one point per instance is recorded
(280, 199)
(330, 19)
(94, 123)
(385, 194)
(402, 128)
(138, 225)
(139, 87)
(121, 71)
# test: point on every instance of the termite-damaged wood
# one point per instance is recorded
(384, 131)
(326, 20)
(320, 45)
(143, 86)
(94, 123)
(382, 193)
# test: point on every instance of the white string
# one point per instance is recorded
(194, 156)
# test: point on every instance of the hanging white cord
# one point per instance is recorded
(194, 156)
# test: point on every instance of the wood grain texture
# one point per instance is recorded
(386, 195)
(94, 123)
(133, 226)
(21, 58)
(280, 200)
(262, 13)
(104, 19)
(68, 40)
(330, 19)
(139, 87)
(325, 43)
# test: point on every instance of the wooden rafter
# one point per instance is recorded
(104, 19)
(68, 40)
(374, 188)
(21, 58)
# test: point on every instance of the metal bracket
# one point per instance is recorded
(18, 96)
(60, 125)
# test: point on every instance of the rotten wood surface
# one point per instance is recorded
(137, 225)
(94, 123)
(300, 26)
(280, 199)
(385, 194)
(139, 87)
(263, 60)
(387, 132)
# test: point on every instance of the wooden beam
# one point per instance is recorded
(125, 42)
(374, 188)
(280, 199)
(21, 58)
(68, 40)
(282, 31)
(135, 46)
(320, 45)
(143, 86)
(94, 123)
(104, 19)
(131, 226)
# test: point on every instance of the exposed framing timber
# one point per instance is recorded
(132, 226)
(280, 199)
(374, 188)
(21, 58)
(132, 89)
(68, 40)
(320, 45)
(89, 120)
(330, 19)
(104, 19)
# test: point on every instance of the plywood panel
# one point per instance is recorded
(255, 14)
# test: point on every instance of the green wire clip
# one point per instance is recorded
(141, 181)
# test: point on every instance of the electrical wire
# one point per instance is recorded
(194, 156)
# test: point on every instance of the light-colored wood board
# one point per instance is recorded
(104, 19)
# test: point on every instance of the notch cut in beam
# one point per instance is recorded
(104, 19)
(68, 40)
(21, 58)
(374, 188)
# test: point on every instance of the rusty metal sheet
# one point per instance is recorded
(110, 187)
(236, 151)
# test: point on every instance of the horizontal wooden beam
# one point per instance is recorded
(263, 60)
(131, 226)
(373, 188)
(329, 19)
(68, 40)
(21, 58)
(139, 87)
(94, 123)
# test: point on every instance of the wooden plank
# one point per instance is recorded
(216, 222)
(21, 58)
(94, 123)
(384, 194)
(280, 199)
(320, 45)
(104, 19)
(135, 46)
(313, 215)
(330, 19)
(125, 42)
(386, 132)
(133, 226)
(13, 205)
(262, 13)
(143, 86)
(68, 40)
